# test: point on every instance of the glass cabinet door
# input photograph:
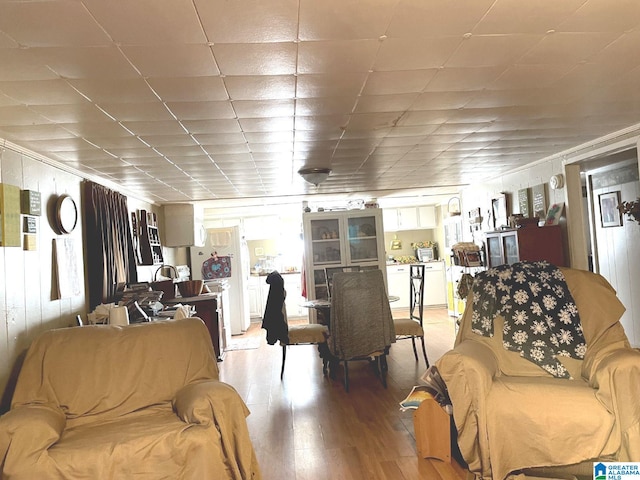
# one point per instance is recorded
(325, 241)
(510, 245)
(362, 239)
(494, 252)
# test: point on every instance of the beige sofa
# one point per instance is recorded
(140, 401)
(514, 417)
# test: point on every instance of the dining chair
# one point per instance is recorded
(330, 271)
(361, 322)
(276, 323)
(411, 328)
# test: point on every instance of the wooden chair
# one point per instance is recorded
(412, 327)
(361, 321)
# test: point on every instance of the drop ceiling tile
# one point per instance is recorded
(147, 22)
(107, 143)
(325, 106)
(261, 87)
(160, 128)
(263, 108)
(385, 103)
(567, 48)
(212, 127)
(334, 124)
(230, 138)
(347, 84)
(417, 18)
(21, 115)
(34, 132)
(189, 89)
(71, 113)
(336, 56)
(344, 19)
(19, 64)
(168, 140)
(269, 137)
(452, 79)
(387, 83)
(70, 148)
(171, 151)
(529, 76)
(172, 60)
(603, 16)
(251, 21)
(284, 147)
(109, 90)
(424, 117)
(41, 92)
(231, 148)
(256, 58)
(535, 16)
(36, 18)
(202, 110)
(266, 124)
(144, 111)
(415, 54)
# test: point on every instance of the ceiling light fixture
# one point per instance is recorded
(315, 175)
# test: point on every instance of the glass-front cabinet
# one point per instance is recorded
(342, 240)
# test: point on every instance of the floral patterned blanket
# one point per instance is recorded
(541, 319)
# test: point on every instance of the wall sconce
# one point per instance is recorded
(314, 175)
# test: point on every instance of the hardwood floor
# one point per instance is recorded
(306, 427)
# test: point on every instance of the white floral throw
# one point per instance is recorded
(540, 316)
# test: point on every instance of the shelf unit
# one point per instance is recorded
(529, 243)
(149, 239)
(352, 238)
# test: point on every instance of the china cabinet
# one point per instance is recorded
(530, 243)
(351, 238)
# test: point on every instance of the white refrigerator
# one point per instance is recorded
(226, 254)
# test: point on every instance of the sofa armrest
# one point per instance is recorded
(26, 432)
(468, 371)
(616, 379)
(217, 404)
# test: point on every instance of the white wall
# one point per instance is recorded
(27, 306)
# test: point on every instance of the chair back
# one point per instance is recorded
(330, 271)
(361, 321)
(416, 292)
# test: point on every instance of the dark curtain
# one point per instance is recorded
(110, 254)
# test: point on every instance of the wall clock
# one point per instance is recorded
(66, 214)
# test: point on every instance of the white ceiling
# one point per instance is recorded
(187, 100)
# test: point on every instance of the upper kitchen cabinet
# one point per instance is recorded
(341, 239)
(409, 218)
(526, 244)
(184, 225)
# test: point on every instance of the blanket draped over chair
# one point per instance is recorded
(540, 316)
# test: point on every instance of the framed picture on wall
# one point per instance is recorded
(609, 213)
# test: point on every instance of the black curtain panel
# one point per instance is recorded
(110, 254)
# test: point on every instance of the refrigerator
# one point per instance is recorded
(225, 256)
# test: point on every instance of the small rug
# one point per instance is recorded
(248, 343)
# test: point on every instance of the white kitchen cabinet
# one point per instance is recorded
(293, 287)
(435, 284)
(256, 308)
(398, 281)
(341, 239)
(409, 218)
(183, 225)
(435, 293)
(427, 216)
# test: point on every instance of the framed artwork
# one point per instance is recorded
(609, 213)
(524, 203)
(539, 200)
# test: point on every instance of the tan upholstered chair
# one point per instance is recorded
(135, 401)
(513, 416)
(412, 327)
(361, 323)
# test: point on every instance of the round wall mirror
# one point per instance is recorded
(66, 214)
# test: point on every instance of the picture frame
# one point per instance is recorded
(610, 215)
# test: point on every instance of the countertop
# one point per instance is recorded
(281, 273)
(198, 298)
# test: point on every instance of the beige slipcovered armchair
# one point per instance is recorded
(116, 402)
(514, 418)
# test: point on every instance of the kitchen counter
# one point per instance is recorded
(281, 273)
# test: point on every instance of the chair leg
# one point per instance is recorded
(415, 352)
(383, 369)
(346, 376)
(284, 357)
(424, 352)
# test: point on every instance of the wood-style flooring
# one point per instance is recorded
(306, 427)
